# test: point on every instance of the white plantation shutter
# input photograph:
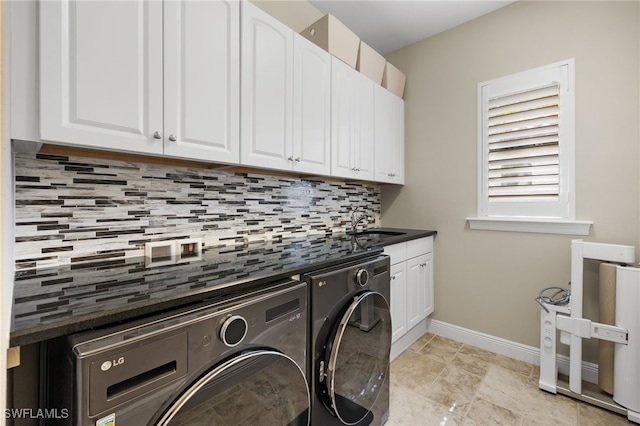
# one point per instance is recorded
(523, 142)
(526, 144)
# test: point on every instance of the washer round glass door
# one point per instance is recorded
(261, 387)
(359, 357)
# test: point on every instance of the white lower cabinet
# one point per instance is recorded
(398, 300)
(411, 290)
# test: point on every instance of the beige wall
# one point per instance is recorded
(486, 281)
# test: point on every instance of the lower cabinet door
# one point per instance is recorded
(415, 282)
(420, 288)
(398, 300)
(427, 298)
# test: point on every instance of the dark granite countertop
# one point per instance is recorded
(388, 236)
(52, 302)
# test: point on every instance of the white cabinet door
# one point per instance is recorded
(383, 146)
(415, 272)
(389, 137)
(426, 297)
(201, 80)
(267, 90)
(101, 74)
(25, 124)
(398, 132)
(364, 141)
(398, 300)
(343, 115)
(311, 108)
(419, 288)
(351, 123)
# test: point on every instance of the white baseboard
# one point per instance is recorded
(408, 339)
(528, 354)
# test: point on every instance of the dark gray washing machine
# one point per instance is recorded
(350, 332)
(237, 361)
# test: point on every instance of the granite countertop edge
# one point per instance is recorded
(67, 326)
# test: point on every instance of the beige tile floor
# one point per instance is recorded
(443, 382)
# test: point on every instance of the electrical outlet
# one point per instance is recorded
(159, 253)
(189, 249)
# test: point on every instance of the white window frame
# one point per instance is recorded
(557, 216)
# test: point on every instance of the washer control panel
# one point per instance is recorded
(362, 277)
(233, 330)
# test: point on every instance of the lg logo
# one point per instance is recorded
(108, 364)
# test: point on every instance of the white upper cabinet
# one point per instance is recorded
(101, 82)
(165, 78)
(343, 105)
(311, 151)
(202, 80)
(267, 90)
(364, 142)
(389, 137)
(286, 97)
(141, 76)
(352, 124)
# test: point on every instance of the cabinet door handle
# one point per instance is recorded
(297, 160)
(173, 137)
(157, 135)
(290, 158)
(393, 277)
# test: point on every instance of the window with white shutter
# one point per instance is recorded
(526, 171)
(523, 135)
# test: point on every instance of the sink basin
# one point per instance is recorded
(371, 232)
(369, 238)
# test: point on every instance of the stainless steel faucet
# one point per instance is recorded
(355, 220)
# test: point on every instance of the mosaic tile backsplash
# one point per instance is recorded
(76, 209)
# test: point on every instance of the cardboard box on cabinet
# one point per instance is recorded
(334, 37)
(370, 63)
(393, 80)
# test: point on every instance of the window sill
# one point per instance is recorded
(541, 226)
